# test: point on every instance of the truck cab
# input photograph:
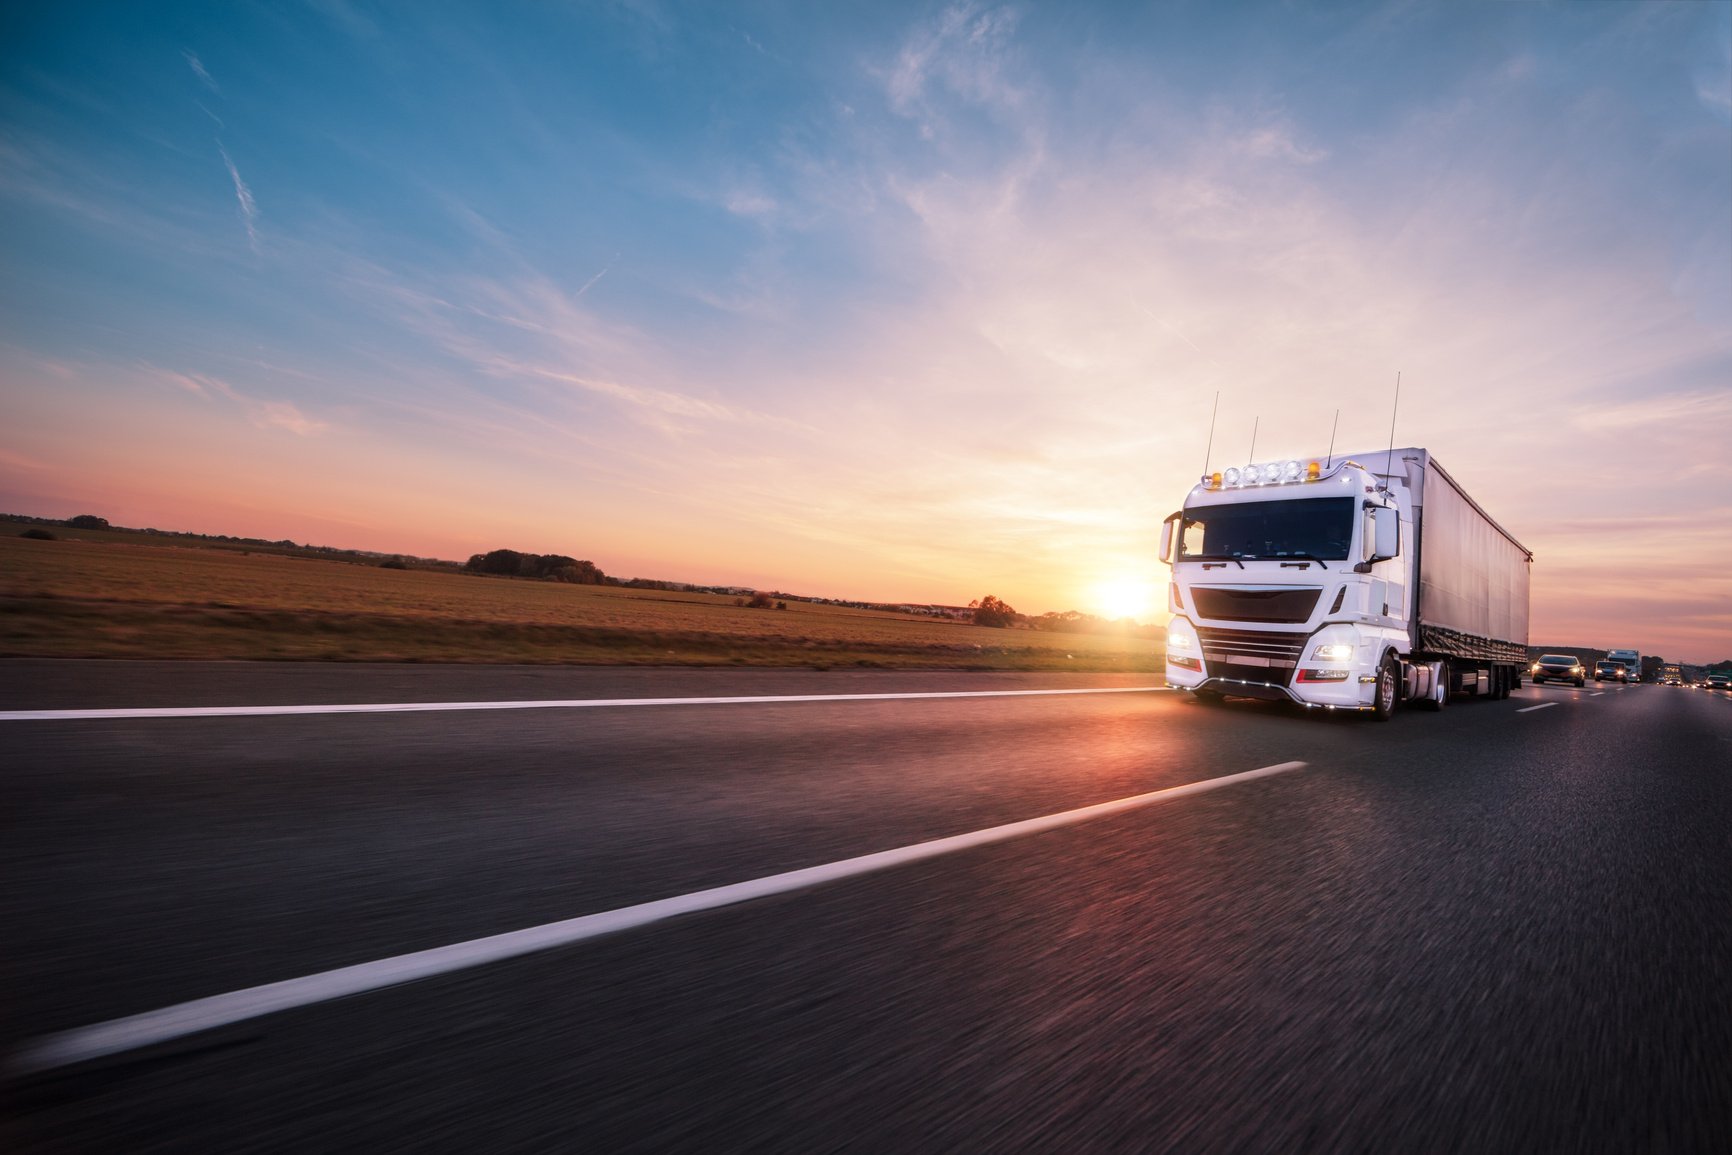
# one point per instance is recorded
(1288, 583)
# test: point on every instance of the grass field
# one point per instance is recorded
(110, 594)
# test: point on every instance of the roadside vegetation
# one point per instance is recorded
(94, 591)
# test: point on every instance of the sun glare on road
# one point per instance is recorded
(1125, 598)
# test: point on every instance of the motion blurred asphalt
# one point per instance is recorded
(1481, 930)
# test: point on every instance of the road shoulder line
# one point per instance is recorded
(530, 704)
(142, 1030)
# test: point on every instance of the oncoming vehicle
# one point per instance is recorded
(1718, 681)
(1558, 668)
(1671, 675)
(1632, 660)
(1606, 670)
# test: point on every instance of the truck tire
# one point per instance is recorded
(1209, 697)
(1383, 696)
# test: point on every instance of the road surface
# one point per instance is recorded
(1504, 927)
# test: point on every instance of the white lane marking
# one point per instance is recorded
(538, 704)
(142, 1030)
(1541, 706)
(1596, 694)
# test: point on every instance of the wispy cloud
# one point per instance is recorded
(244, 196)
(1691, 412)
(964, 52)
(10, 459)
(198, 70)
(263, 414)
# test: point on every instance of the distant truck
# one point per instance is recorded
(1671, 675)
(1348, 583)
(1631, 660)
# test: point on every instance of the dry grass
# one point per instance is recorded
(127, 598)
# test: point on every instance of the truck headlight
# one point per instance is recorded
(1332, 652)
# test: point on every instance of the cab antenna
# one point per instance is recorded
(1393, 409)
(1388, 462)
(1210, 448)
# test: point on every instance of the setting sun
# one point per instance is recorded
(1125, 598)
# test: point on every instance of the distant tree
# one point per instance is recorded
(544, 566)
(1068, 622)
(500, 561)
(577, 572)
(37, 533)
(393, 563)
(990, 611)
(87, 521)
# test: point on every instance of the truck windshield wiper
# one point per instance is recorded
(1302, 557)
(1220, 557)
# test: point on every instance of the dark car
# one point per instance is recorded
(1613, 671)
(1558, 668)
(1718, 681)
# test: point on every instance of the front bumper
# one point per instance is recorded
(1221, 671)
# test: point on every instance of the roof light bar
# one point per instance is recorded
(1271, 473)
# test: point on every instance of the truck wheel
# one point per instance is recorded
(1209, 697)
(1383, 697)
(1499, 683)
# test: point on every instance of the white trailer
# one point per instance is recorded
(1346, 583)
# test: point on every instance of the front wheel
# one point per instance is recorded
(1383, 699)
(1209, 697)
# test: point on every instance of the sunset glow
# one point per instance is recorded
(908, 303)
(1133, 598)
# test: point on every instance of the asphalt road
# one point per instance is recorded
(1497, 928)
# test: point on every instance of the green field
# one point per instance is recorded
(113, 594)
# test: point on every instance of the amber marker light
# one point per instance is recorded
(1313, 470)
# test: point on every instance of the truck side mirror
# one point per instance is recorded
(1385, 533)
(1167, 538)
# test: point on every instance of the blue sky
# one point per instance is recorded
(911, 302)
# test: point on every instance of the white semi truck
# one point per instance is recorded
(1347, 583)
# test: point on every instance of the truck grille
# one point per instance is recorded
(1231, 604)
(1252, 655)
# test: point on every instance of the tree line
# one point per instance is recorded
(996, 612)
(542, 566)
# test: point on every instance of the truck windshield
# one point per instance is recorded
(1314, 527)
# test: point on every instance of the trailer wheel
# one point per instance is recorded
(1209, 697)
(1503, 676)
(1383, 698)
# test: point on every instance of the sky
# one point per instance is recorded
(898, 302)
